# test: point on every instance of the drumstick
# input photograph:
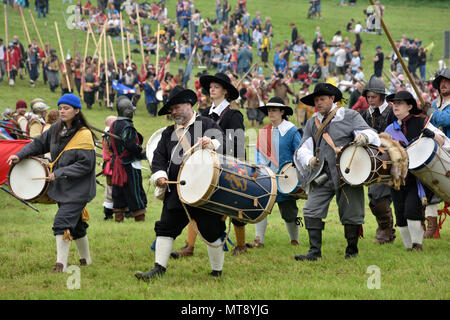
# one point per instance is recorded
(347, 170)
(40, 178)
(182, 182)
(282, 176)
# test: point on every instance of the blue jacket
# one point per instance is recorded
(287, 144)
(441, 118)
(150, 94)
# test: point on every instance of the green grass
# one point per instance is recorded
(118, 250)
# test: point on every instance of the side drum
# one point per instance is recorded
(227, 186)
(431, 165)
(288, 183)
(27, 180)
(366, 165)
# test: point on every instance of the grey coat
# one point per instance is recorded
(74, 171)
(343, 129)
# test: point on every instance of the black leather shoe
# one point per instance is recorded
(216, 274)
(157, 271)
(309, 257)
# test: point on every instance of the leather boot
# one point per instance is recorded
(186, 251)
(351, 232)
(431, 228)
(157, 271)
(314, 227)
(119, 215)
(108, 213)
(240, 240)
(59, 267)
(383, 213)
(139, 215)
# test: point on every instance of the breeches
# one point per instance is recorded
(172, 223)
(69, 217)
(350, 202)
(288, 210)
(407, 203)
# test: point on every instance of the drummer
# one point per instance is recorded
(379, 115)
(408, 205)
(276, 145)
(325, 133)
(222, 93)
(176, 140)
(72, 182)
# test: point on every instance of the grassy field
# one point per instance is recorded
(28, 250)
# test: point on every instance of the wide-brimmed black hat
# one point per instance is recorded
(178, 95)
(404, 96)
(223, 80)
(322, 89)
(277, 102)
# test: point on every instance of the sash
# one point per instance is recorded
(82, 139)
(265, 145)
(326, 136)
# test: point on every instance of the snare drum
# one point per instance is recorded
(431, 164)
(227, 186)
(27, 180)
(152, 143)
(368, 165)
(288, 183)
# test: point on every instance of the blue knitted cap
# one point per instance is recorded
(71, 100)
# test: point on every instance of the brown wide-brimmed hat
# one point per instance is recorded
(222, 79)
(178, 95)
(407, 97)
(322, 89)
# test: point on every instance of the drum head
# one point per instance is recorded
(420, 152)
(198, 172)
(287, 185)
(360, 167)
(20, 179)
(152, 144)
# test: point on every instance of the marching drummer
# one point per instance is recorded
(222, 93)
(276, 145)
(379, 115)
(72, 179)
(408, 201)
(325, 133)
(189, 130)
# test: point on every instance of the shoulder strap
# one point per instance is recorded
(321, 126)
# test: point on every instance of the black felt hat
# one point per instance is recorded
(277, 102)
(404, 96)
(178, 95)
(223, 80)
(322, 89)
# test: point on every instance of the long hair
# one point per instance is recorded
(78, 122)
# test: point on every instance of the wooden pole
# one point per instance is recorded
(7, 43)
(25, 25)
(106, 71)
(113, 55)
(122, 38)
(83, 63)
(62, 56)
(129, 51)
(38, 34)
(140, 35)
(92, 32)
(399, 56)
(157, 51)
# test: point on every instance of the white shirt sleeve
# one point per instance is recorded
(371, 135)
(305, 153)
